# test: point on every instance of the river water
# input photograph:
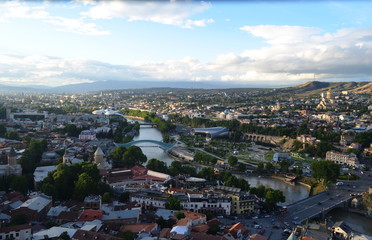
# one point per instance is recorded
(292, 193)
(150, 149)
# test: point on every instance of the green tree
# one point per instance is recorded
(260, 166)
(213, 229)
(2, 130)
(124, 197)
(19, 183)
(269, 167)
(232, 160)
(126, 235)
(173, 204)
(326, 171)
(83, 187)
(157, 165)
(180, 215)
(106, 198)
(166, 138)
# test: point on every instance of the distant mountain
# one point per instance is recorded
(317, 87)
(122, 85)
(309, 88)
(13, 90)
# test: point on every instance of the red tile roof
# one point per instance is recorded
(90, 215)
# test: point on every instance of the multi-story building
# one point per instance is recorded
(213, 204)
(343, 159)
(87, 135)
(242, 204)
(190, 202)
(18, 232)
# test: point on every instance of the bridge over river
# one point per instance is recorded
(163, 145)
(319, 205)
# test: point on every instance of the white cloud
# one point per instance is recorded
(76, 26)
(171, 13)
(22, 10)
(344, 54)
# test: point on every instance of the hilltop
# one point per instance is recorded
(317, 87)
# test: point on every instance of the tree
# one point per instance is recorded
(180, 215)
(166, 138)
(260, 166)
(83, 187)
(232, 160)
(325, 170)
(157, 165)
(273, 197)
(106, 198)
(127, 157)
(124, 197)
(269, 166)
(173, 204)
(19, 183)
(12, 135)
(213, 229)
(126, 235)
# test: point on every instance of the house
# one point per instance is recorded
(341, 230)
(138, 229)
(17, 232)
(88, 235)
(35, 209)
(237, 231)
(53, 233)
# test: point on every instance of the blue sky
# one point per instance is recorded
(268, 43)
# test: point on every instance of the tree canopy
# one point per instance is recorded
(325, 170)
(127, 157)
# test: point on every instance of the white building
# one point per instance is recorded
(17, 232)
(87, 135)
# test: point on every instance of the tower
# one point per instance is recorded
(329, 95)
(12, 157)
(98, 157)
(65, 158)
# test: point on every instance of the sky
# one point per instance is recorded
(268, 43)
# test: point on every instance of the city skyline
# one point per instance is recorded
(271, 43)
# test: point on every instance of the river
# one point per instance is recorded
(149, 149)
(292, 193)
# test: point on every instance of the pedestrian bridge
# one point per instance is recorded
(162, 145)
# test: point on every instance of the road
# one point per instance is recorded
(323, 202)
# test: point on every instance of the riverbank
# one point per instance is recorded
(134, 117)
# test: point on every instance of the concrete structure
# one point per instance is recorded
(12, 168)
(327, 101)
(98, 158)
(212, 132)
(87, 135)
(242, 204)
(17, 232)
(343, 159)
(35, 208)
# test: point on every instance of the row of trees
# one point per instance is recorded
(74, 182)
(163, 125)
(204, 158)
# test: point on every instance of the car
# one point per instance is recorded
(319, 203)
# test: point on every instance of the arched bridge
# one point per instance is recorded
(162, 145)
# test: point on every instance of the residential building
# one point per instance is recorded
(35, 208)
(17, 232)
(87, 135)
(242, 204)
(343, 159)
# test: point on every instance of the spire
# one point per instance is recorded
(12, 153)
(99, 152)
